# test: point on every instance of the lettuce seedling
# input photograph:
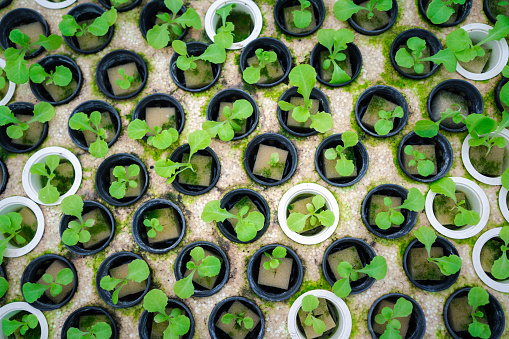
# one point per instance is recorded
(402, 308)
(118, 188)
(32, 291)
(49, 193)
(153, 226)
(500, 269)
(162, 138)
(214, 54)
(448, 265)
(478, 297)
(344, 9)
(439, 11)
(10, 226)
(414, 202)
(82, 122)
(240, 319)
(376, 269)
(100, 330)
(485, 130)
(251, 74)
(138, 271)
(76, 230)
(159, 36)
(447, 187)
(415, 59)
(335, 41)
(304, 77)
(156, 301)
(126, 80)
(302, 18)
(247, 226)
(309, 304)
(206, 266)
(43, 112)
(344, 166)
(429, 129)
(385, 124)
(224, 34)
(99, 27)
(278, 253)
(61, 77)
(16, 65)
(198, 140)
(274, 160)
(29, 321)
(226, 129)
(424, 166)
(318, 215)
(4, 286)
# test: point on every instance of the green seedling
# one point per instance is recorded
(309, 304)
(32, 291)
(99, 27)
(100, 330)
(10, 226)
(500, 269)
(214, 53)
(118, 188)
(424, 166)
(76, 230)
(385, 124)
(83, 122)
(414, 59)
(226, 129)
(61, 76)
(251, 74)
(43, 112)
(402, 308)
(439, 11)
(278, 253)
(318, 215)
(344, 166)
(4, 286)
(478, 297)
(162, 138)
(274, 160)
(345, 9)
(302, 18)
(29, 321)
(429, 129)
(155, 301)
(448, 265)
(126, 80)
(153, 226)
(376, 269)
(224, 34)
(414, 202)
(49, 193)
(240, 319)
(335, 41)
(138, 271)
(485, 130)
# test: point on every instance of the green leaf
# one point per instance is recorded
(198, 140)
(100, 26)
(71, 236)
(137, 129)
(68, 26)
(383, 221)
(425, 167)
(223, 38)
(326, 218)
(226, 132)
(321, 121)
(180, 47)
(327, 37)
(49, 43)
(427, 237)
(438, 12)
(404, 59)
(445, 186)
(304, 77)
(7, 117)
(37, 73)
(251, 75)
(214, 54)
(4, 286)
(80, 122)
(383, 127)
(101, 330)
(285, 106)
(213, 212)
(108, 283)
(197, 253)
(498, 32)
(342, 288)
(402, 308)
(466, 217)
(227, 318)
(245, 231)
(426, 128)
(20, 38)
(242, 109)
(64, 276)
(189, 19)
(297, 221)
(444, 57)
(138, 271)
(32, 291)
(62, 76)
(155, 301)
(477, 296)
(43, 112)
(16, 66)
(349, 139)
(164, 139)
(110, 17)
(10, 326)
(458, 40)
(98, 148)
(479, 330)
(248, 323)
(159, 36)
(414, 202)
(210, 267)
(504, 235)
(309, 303)
(301, 18)
(117, 189)
(48, 194)
(377, 268)
(448, 265)
(344, 9)
(344, 166)
(72, 205)
(184, 288)
(279, 252)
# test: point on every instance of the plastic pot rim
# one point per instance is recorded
(19, 306)
(502, 203)
(55, 5)
(319, 5)
(391, 23)
(114, 329)
(10, 90)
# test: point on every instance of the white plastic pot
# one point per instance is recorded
(13, 204)
(345, 319)
(498, 58)
(502, 203)
(10, 90)
(32, 183)
(478, 202)
(465, 157)
(12, 309)
(501, 286)
(294, 192)
(55, 5)
(245, 6)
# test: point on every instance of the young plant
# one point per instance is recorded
(478, 297)
(99, 27)
(4, 286)
(415, 59)
(251, 74)
(335, 41)
(159, 36)
(118, 188)
(429, 129)
(447, 187)
(318, 215)
(43, 112)
(138, 271)
(82, 122)
(424, 166)
(209, 266)
(61, 77)
(29, 321)
(10, 226)
(242, 110)
(76, 230)
(153, 227)
(100, 330)
(439, 11)
(16, 66)
(224, 34)
(402, 308)
(302, 18)
(377, 269)
(247, 226)
(385, 124)
(500, 269)
(49, 193)
(448, 265)
(126, 80)
(198, 140)
(156, 301)
(309, 304)
(304, 77)
(240, 319)
(278, 253)
(214, 54)
(414, 202)
(162, 138)
(344, 166)
(485, 130)
(274, 160)
(32, 291)
(345, 9)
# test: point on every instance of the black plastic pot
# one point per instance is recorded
(194, 189)
(393, 14)
(493, 311)
(177, 75)
(73, 320)
(501, 84)
(147, 318)
(117, 58)
(184, 256)
(148, 17)
(140, 231)
(276, 140)
(107, 4)
(388, 93)
(318, 9)
(463, 12)
(417, 326)
(87, 207)
(102, 177)
(355, 61)
(486, 8)
(115, 260)
(443, 151)
(21, 108)
(282, 116)
(432, 285)
(216, 333)
(390, 190)
(431, 40)
(361, 161)
(35, 270)
(87, 11)
(233, 197)
(18, 17)
(88, 107)
(268, 44)
(463, 88)
(231, 95)
(274, 293)
(5, 3)
(49, 64)
(5, 176)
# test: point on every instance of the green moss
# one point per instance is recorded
(306, 286)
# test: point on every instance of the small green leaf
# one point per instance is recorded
(32, 291)
(297, 221)
(184, 287)
(377, 268)
(342, 288)
(4, 286)
(445, 186)
(344, 9)
(138, 271)
(309, 303)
